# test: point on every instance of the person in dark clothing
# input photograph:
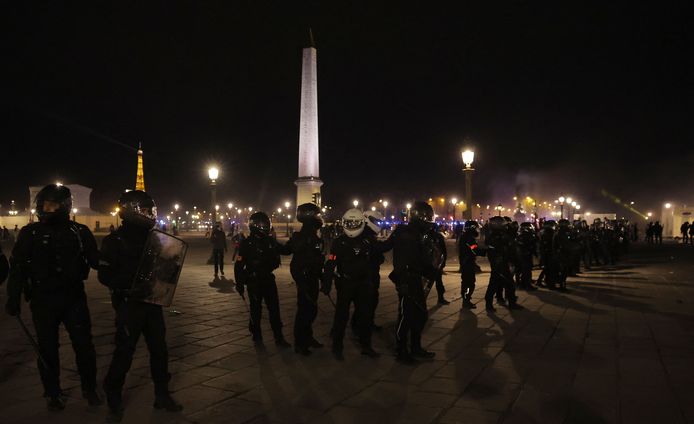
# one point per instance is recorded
(526, 249)
(684, 229)
(440, 241)
(4, 267)
(121, 252)
(658, 232)
(548, 275)
(411, 264)
(350, 265)
(49, 262)
(306, 269)
(498, 252)
(219, 245)
(236, 239)
(468, 251)
(258, 257)
(374, 222)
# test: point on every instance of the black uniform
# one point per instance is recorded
(350, 263)
(410, 266)
(442, 254)
(120, 256)
(526, 249)
(377, 259)
(259, 256)
(499, 252)
(468, 250)
(50, 261)
(306, 268)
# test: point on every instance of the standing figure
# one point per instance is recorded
(526, 249)
(121, 253)
(236, 239)
(219, 245)
(259, 256)
(350, 265)
(684, 229)
(440, 249)
(49, 262)
(306, 268)
(374, 223)
(468, 251)
(563, 251)
(548, 275)
(411, 265)
(499, 252)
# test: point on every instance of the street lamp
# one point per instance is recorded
(562, 199)
(454, 201)
(468, 158)
(668, 205)
(385, 208)
(355, 203)
(408, 206)
(213, 173)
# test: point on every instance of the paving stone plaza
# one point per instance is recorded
(617, 348)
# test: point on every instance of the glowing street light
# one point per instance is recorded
(355, 203)
(213, 173)
(385, 208)
(408, 206)
(468, 158)
(668, 205)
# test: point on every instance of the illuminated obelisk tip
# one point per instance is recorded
(308, 184)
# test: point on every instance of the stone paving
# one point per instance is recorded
(619, 347)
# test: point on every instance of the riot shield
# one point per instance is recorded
(160, 267)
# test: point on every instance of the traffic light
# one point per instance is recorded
(316, 199)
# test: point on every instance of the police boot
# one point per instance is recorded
(315, 343)
(337, 351)
(489, 306)
(404, 357)
(281, 342)
(114, 399)
(163, 399)
(419, 352)
(370, 352)
(55, 403)
(442, 300)
(92, 397)
(467, 304)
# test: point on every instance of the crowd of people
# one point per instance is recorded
(52, 258)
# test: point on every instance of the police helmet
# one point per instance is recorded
(259, 224)
(353, 222)
(472, 228)
(374, 220)
(309, 213)
(421, 212)
(137, 208)
(54, 193)
(497, 223)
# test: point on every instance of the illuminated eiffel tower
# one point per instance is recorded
(140, 178)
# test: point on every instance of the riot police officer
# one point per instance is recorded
(468, 250)
(440, 248)
(259, 256)
(374, 221)
(121, 252)
(526, 244)
(499, 253)
(350, 265)
(49, 262)
(411, 264)
(548, 263)
(306, 268)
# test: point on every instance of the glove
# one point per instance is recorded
(402, 289)
(326, 284)
(13, 308)
(240, 288)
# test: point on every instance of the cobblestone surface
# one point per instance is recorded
(618, 347)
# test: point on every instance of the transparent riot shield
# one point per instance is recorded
(160, 267)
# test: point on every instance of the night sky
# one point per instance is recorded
(555, 97)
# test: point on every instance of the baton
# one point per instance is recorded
(33, 343)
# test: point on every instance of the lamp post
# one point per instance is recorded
(454, 202)
(408, 206)
(385, 208)
(468, 158)
(561, 199)
(286, 207)
(213, 173)
(355, 203)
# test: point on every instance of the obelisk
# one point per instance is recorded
(308, 184)
(140, 175)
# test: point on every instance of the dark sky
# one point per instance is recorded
(555, 96)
